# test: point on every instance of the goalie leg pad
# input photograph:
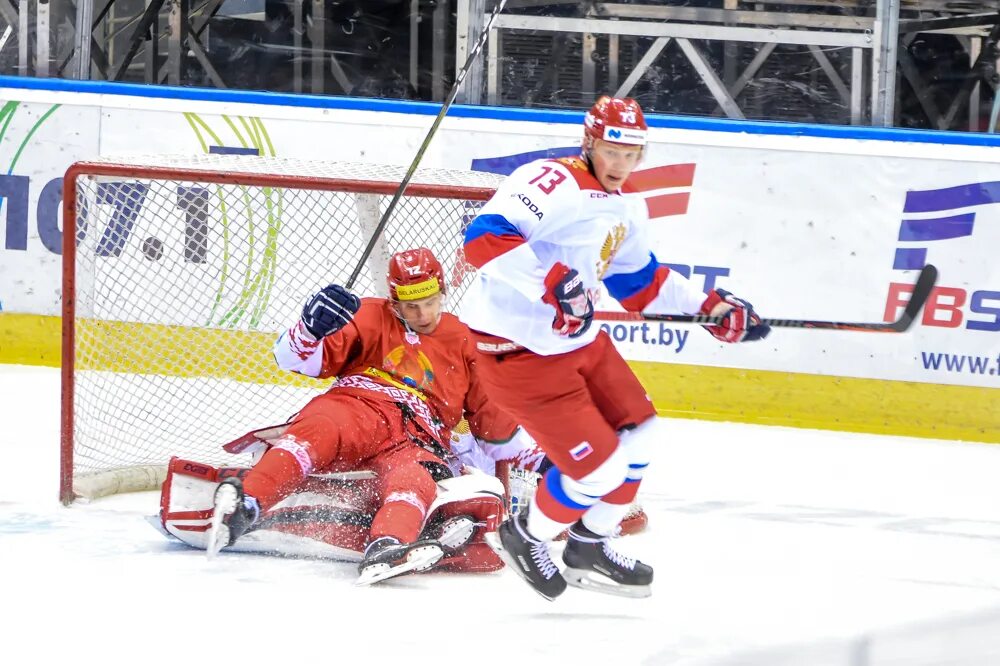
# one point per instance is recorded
(328, 520)
(478, 497)
(474, 558)
(186, 500)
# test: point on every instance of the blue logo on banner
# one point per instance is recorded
(505, 164)
(947, 307)
(943, 227)
(230, 150)
(615, 134)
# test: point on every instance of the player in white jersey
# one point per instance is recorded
(551, 235)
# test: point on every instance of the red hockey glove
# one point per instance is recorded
(564, 291)
(740, 323)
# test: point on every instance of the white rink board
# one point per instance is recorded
(802, 226)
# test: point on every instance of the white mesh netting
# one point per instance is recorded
(182, 283)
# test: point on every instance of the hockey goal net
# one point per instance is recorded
(182, 272)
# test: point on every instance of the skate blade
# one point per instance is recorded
(492, 539)
(595, 582)
(457, 535)
(218, 533)
(417, 559)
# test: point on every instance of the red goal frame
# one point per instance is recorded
(106, 169)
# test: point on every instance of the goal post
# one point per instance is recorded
(180, 271)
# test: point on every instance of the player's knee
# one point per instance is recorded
(318, 435)
(290, 447)
(609, 475)
(638, 443)
(410, 480)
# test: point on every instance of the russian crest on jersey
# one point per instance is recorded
(617, 120)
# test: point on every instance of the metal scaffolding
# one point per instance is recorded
(868, 90)
(604, 47)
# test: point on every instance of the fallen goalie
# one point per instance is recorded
(330, 514)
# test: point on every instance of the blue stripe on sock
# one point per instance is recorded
(553, 482)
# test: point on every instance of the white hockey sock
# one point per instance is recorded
(542, 527)
(603, 518)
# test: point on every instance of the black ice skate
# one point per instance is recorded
(527, 556)
(233, 514)
(452, 533)
(592, 564)
(386, 557)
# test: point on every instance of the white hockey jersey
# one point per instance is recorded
(550, 211)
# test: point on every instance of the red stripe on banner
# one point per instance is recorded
(673, 175)
(668, 204)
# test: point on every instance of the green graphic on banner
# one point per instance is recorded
(7, 115)
(261, 258)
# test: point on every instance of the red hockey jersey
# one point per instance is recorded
(430, 376)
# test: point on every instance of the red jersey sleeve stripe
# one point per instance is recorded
(638, 301)
(489, 236)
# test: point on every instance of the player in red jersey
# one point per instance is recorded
(404, 378)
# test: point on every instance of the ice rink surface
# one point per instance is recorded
(762, 538)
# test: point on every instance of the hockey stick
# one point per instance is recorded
(427, 140)
(921, 291)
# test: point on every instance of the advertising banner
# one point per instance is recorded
(814, 227)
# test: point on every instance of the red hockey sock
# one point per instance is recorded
(271, 480)
(400, 519)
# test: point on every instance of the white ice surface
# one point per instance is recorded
(760, 536)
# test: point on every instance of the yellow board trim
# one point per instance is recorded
(886, 407)
(30, 339)
(720, 394)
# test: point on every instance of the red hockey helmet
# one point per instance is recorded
(617, 120)
(414, 274)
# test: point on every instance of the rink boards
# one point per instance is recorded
(803, 221)
(688, 391)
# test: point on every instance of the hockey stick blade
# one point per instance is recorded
(921, 292)
(922, 289)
